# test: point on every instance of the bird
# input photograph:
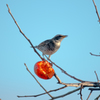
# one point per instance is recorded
(50, 46)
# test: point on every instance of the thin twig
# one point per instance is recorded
(43, 93)
(60, 96)
(82, 81)
(96, 76)
(94, 89)
(37, 81)
(96, 11)
(89, 95)
(59, 81)
(84, 84)
(97, 98)
(94, 54)
(23, 33)
(65, 71)
(81, 92)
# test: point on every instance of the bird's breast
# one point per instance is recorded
(58, 44)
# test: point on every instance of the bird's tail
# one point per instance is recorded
(34, 46)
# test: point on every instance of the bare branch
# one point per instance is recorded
(65, 94)
(81, 92)
(89, 95)
(96, 11)
(94, 89)
(96, 76)
(65, 71)
(37, 81)
(84, 84)
(23, 33)
(94, 54)
(97, 98)
(59, 81)
(43, 93)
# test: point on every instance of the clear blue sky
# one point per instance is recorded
(41, 20)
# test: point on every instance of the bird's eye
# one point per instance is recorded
(58, 37)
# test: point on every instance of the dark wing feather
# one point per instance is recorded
(49, 44)
(44, 43)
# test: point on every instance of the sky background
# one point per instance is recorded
(41, 20)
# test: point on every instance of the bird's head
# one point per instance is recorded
(59, 37)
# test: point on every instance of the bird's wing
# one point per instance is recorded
(49, 44)
(44, 43)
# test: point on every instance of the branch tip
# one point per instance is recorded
(96, 11)
(25, 64)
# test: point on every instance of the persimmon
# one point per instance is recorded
(44, 70)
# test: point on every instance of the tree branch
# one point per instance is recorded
(31, 46)
(81, 92)
(37, 81)
(23, 33)
(94, 89)
(59, 81)
(89, 95)
(97, 98)
(96, 11)
(65, 71)
(44, 93)
(94, 54)
(96, 76)
(84, 84)
(65, 94)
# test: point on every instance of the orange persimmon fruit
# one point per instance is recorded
(44, 70)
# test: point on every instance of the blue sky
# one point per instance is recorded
(41, 20)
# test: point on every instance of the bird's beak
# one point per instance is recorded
(65, 36)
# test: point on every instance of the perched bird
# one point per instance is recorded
(50, 46)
